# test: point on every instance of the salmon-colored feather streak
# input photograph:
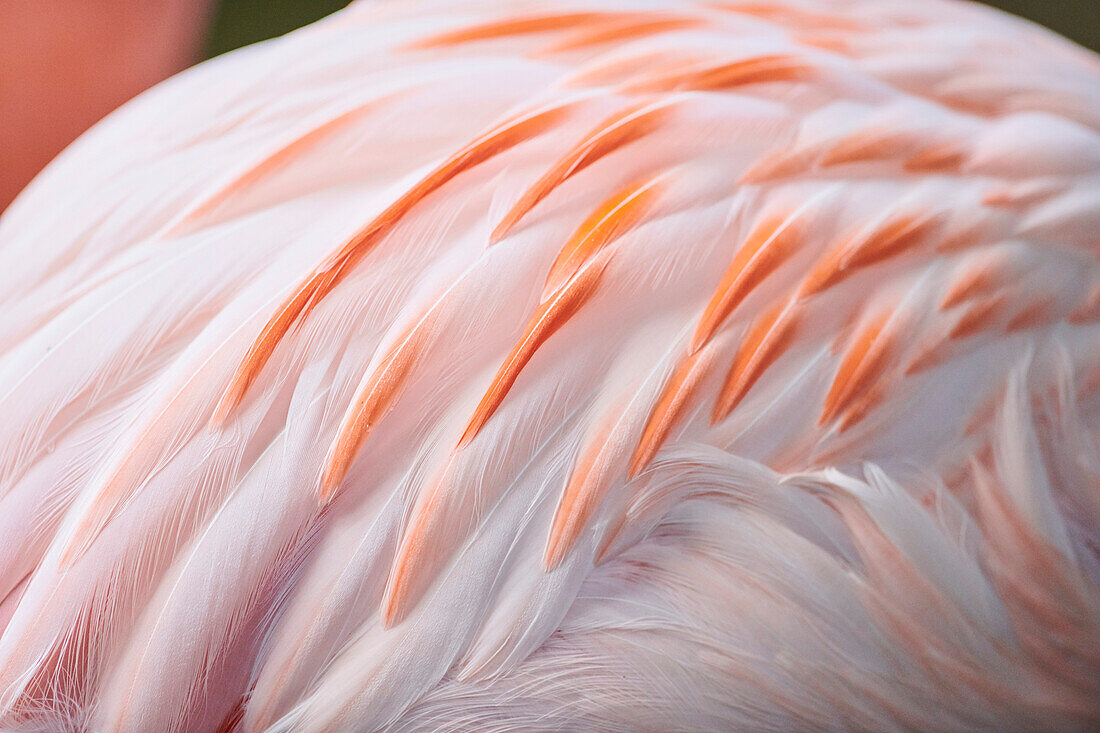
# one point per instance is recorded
(337, 266)
(762, 345)
(613, 133)
(765, 249)
(540, 365)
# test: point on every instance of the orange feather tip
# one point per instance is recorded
(767, 246)
(517, 26)
(777, 165)
(91, 523)
(562, 536)
(582, 492)
(618, 130)
(790, 15)
(571, 282)
(342, 455)
(670, 404)
(1031, 316)
(929, 357)
(864, 147)
(730, 75)
(858, 371)
(68, 557)
(889, 239)
(391, 613)
(944, 158)
(553, 555)
(421, 544)
(226, 405)
(397, 598)
(565, 529)
(613, 218)
(336, 267)
(547, 319)
(969, 285)
(332, 476)
(760, 348)
(375, 395)
(1088, 311)
(628, 27)
(978, 317)
(611, 544)
(261, 350)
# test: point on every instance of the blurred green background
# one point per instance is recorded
(1078, 20)
(241, 22)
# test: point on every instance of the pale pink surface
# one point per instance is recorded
(570, 366)
(66, 63)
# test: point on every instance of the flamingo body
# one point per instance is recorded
(573, 366)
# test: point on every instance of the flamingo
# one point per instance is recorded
(66, 63)
(565, 365)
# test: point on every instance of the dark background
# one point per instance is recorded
(241, 22)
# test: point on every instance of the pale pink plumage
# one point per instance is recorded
(572, 365)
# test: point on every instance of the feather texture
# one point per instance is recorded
(588, 365)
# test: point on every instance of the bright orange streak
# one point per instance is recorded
(670, 405)
(759, 70)
(613, 133)
(371, 403)
(763, 344)
(892, 238)
(337, 266)
(548, 318)
(622, 29)
(586, 487)
(768, 246)
(512, 27)
(613, 218)
(859, 368)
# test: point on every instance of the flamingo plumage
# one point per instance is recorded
(67, 63)
(571, 365)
